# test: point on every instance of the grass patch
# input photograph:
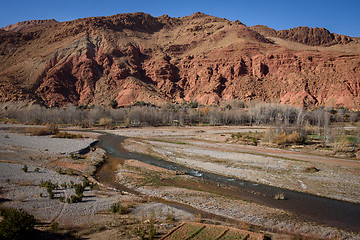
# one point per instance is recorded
(50, 129)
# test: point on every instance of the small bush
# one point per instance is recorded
(152, 231)
(117, 208)
(76, 156)
(67, 135)
(105, 121)
(86, 183)
(74, 199)
(170, 216)
(341, 145)
(113, 104)
(54, 227)
(79, 189)
(50, 129)
(25, 168)
(51, 195)
(37, 169)
(16, 224)
(50, 188)
(71, 185)
(283, 138)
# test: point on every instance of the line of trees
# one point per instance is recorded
(176, 114)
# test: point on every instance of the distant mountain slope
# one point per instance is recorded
(137, 57)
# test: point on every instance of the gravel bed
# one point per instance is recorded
(45, 143)
(21, 189)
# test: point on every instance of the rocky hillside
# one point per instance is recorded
(137, 57)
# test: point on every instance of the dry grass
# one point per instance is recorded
(50, 129)
(67, 135)
(283, 138)
(341, 145)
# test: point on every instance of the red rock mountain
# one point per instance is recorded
(137, 57)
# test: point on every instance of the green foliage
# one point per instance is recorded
(76, 156)
(37, 169)
(51, 195)
(152, 230)
(74, 199)
(48, 185)
(71, 185)
(194, 104)
(16, 224)
(116, 208)
(79, 189)
(113, 104)
(25, 168)
(54, 227)
(86, 183)
(141, 234)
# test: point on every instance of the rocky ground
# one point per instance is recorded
(208, 148)
(164, 195)
(48, 159)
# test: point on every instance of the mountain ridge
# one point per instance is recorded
(137, 57)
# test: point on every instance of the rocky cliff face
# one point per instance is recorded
(137, 57)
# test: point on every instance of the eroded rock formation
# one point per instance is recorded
(137, 57)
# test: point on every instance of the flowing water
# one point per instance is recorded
(331, 212)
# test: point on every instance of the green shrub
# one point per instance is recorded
(79, 189)
(152, 230)
(76, 156)
(51, 195)
(74, 199)
(113, 104)
(54, 227)
(25, 168)
(48, 185)
(16, 224)
(86, 183)
(117, 208)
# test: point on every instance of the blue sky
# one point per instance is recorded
(340, 17)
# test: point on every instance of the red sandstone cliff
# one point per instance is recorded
(137, 57)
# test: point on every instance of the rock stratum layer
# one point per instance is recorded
(137, 57)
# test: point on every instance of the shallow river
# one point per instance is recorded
(331, 212)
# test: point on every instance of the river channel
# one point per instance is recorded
(336, 213)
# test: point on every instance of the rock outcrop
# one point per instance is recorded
(137, 57)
